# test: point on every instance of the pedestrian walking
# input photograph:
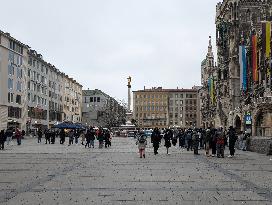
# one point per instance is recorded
(181, 138)
(232, 140)
(174, 137)
(207, 142)
(76, 134)
(71, 137)
(100, 137)
(47, 136)
(52, 136)
(141, 142)
(245, 139)
(40, 136)
(107, 139)
(9, 134)
(167, 139)
(82, 136)
(92, 138)
(2, 139)
(62, 136)
(18, 136)
(213, 142)
(88, 138)
(220, 143)
(156, 140)
(195, 142)
(188, 139)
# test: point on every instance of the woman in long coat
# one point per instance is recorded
(167, 139)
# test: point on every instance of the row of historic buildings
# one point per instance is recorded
(238, 90)
(162, 108)
(34, 93)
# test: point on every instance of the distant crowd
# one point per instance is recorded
(214, 141)
(85, 137)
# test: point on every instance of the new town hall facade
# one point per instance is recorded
(237, 91)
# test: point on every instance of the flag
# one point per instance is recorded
(254, 58)
(268, 40)
(243, 67)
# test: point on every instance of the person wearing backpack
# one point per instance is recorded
(142, 142)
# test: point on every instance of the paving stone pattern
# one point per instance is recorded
(60, 174)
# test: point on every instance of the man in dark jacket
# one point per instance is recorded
(232, 140)
(40, 135)
(62, 136)
(2, 139)
(156, 140)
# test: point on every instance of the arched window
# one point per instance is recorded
(248, 15)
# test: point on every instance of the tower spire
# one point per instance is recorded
(210, 52)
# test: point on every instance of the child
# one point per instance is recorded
(142, 142)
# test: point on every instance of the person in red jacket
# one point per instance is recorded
(18, 136)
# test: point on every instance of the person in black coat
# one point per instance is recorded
(107, 139)
(88, 138)
(156, 140)
(62, 136)
(167, 139)
(232, 140)
(40, 135)
(53, 136)
(213, 141)
(2, 139)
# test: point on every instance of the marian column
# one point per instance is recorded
(129, 95)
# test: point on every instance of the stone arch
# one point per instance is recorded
(238, 123)
(248, 15)
(259, 117)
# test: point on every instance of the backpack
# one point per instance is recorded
(142, 139)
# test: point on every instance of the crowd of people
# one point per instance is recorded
(213, 141)
(7, 135)
(85, 137)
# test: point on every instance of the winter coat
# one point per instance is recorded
(167, 138)
(2, 137)
(141, 142)
(156, 138)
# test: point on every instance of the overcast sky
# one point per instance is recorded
(101, 42)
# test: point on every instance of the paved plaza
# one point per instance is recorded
(58, 174)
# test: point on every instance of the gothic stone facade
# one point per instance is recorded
(236, 20)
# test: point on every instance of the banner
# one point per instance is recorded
(268, 40)
(254, 58)
(243, 68)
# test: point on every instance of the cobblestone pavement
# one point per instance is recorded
(58, 174)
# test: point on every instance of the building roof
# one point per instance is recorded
(94, 92)
(34, 53)
(203, 62)
(159, 89)
(7, 35)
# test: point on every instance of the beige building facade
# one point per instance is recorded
(13, 58)
(162, 108)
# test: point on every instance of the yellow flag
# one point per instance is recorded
(268, 40)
